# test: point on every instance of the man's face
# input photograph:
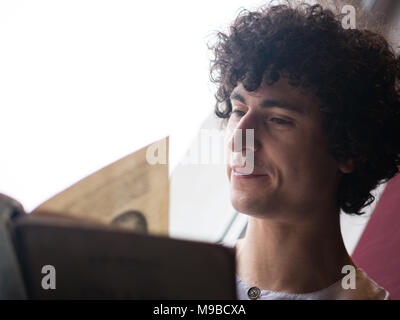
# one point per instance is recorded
(293, 172)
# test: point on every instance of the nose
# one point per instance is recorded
(243, 136)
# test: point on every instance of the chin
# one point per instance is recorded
(257, 204)
(249, 205)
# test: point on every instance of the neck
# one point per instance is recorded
(293, 258)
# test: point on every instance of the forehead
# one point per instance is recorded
(281, 91)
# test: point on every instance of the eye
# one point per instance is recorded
(239, 113)
(281, 122)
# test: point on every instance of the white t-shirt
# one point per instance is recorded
(366, 289)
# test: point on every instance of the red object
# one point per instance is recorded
(378, 250)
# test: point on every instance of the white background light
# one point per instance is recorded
(83, 83)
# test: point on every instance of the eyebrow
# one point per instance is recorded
(269, 103)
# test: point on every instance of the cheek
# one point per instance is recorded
(293, 157)
(310, 163)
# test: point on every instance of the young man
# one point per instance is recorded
(324, 104)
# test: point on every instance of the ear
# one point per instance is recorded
(347, 166)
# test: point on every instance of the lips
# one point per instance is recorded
(242, 171)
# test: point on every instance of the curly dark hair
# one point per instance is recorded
(354, 73)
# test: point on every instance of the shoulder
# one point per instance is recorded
(376, 292)
(366, 289)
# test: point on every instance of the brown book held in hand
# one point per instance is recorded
(90, 261)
